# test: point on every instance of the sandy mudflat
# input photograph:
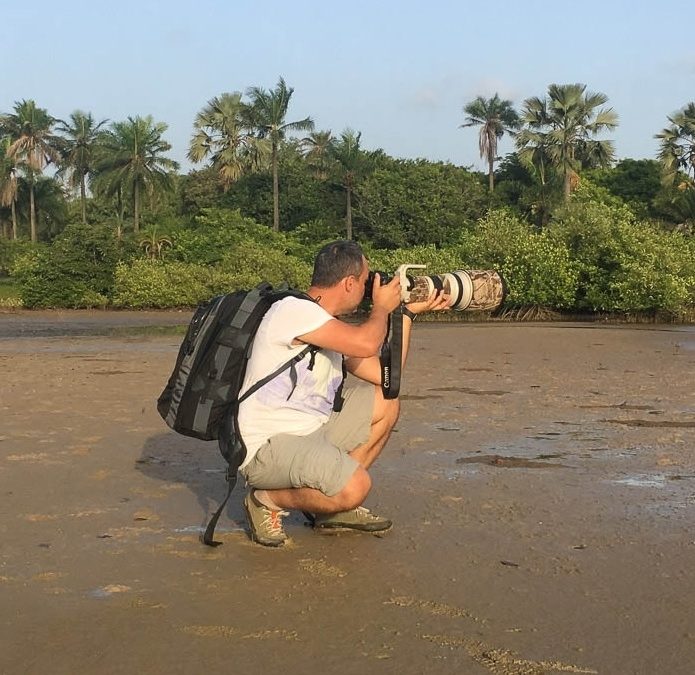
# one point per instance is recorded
(541, 480)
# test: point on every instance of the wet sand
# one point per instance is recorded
(541, 480)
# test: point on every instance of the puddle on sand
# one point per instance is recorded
(469, 390)
(666, 424)
(444, 426)
(468, 470)
(510, 462)
(668, 496)
(685, 344)
(107, 591)
(643, 480)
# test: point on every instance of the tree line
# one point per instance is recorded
(284, 173)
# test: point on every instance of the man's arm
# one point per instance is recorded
(362, 340)
(369, 369)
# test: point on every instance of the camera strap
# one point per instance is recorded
(391, 356)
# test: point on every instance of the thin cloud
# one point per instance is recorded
(427, 97)
(684, 63)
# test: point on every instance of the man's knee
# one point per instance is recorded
(394, 410)
(386, 410)
(355, 492)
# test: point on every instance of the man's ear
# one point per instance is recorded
(348, 282)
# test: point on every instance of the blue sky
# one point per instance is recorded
(398, 71)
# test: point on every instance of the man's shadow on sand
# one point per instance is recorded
(173, 458)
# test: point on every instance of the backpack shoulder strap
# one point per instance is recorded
(281, 295)
(295, 359)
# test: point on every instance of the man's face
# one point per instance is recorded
(357, 290)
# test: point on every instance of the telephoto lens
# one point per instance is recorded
(470, 290)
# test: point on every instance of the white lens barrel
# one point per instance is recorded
(459, 286)
(473, 290)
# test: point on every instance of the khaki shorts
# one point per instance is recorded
(319, 460)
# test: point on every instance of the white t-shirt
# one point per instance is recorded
(275, 408)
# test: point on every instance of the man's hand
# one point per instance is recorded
(369, 369)
(386, 297)
(436, 302)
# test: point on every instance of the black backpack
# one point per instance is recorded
(201, 398)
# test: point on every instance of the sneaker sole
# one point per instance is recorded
(273, 543)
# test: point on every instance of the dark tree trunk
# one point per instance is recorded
(14, 219)
(276, 191)
(348, 213)
(83, 196)
(136, 208)
(32, 210)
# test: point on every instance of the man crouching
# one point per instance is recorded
(303, 452)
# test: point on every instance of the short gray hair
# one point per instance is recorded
(335, 261)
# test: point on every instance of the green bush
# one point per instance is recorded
(215, 233)
(538, 270)
(414, 202)
(157, 283)
(9, 293)
(26, 262)
(624, 264)
(306, 239)
(249, 263)
(437, 260)
(10, 250)
(76, 270)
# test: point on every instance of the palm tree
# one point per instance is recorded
(563, 127)
(494, 116)
(677, 146)
(8, 182)
(268, 112)
(223, 134)
(50, 203)
(317, 147)
(349, 160)
(80, 140)
(131, 160)
(155, 245)
(33, 145)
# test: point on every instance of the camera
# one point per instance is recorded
(471, 290)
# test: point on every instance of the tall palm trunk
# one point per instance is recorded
(136, 208)
(32, 210)
(491, 144)
(120, 212)
(83, 197)
(276, 190)
(14, 219)
(348, 211)
(567, 178)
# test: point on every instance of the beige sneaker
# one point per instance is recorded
(361, 519)
(264, 523)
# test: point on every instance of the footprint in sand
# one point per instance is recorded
(321, 568)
